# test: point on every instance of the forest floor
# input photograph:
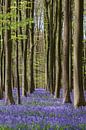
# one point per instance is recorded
(40, 111)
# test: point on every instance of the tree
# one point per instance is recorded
(52, 49)
(17, 55)
(47, 41)
(65, 68)
(79, 99)
(32, 85)
(8, 49)
(58, 50)
(71, 2)
(21, 32)
(2, 86)
(25, 83)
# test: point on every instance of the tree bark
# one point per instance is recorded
(32, 84)
(58, 63)
(66, 53)
(8, 49)
(25, 83)
(79, 99)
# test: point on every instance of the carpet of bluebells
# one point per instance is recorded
(40, 111)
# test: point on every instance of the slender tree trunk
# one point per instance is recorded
(25, 83)
(4, 60)
(70, 46)
(46, 4)
(66, 53)
(84, 67)
(21, 32)
(1, 74)
(32, 85)
(55, 17)
(1, 88)
(58, 63)
(2, 55)
(17, 56)
(52, 87)
(8, 49)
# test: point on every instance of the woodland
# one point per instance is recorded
(42, 64)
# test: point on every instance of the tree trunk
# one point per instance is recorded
(66, 53)
(79, 99)
(52, 87)
(25, 83)
(58, 63)
(32, 85)
(46, 4)
(21, 32)
(8, 49)
(17, 56)
(70, 46)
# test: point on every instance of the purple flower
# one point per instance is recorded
(40, 108)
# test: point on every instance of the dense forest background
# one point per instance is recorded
(43, 45)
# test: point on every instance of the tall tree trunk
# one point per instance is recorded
(55, 18)
(8, 49)
(52, 87)
(17, 56)
(66, 53)
(1, 55)
(79, 99)
(21, 32)
(58, 63)
(46, 4)
(70, 46)
(1, 75)
(32, 85)
(25, 83)
(84, 67)
(4, 60)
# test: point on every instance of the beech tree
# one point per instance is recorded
(27, 42)
(79, 99)
(65, 68)
(58, 50)
(32, 84)
(8, 49)
(47, 41)
(17, 55)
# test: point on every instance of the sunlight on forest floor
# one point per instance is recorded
(40, 111)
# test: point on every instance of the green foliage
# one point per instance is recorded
(9, 19)
(23, 5)
(32, 127)
(5, 128)
(41, 127)
(22, 127)
(82, 126)
(19, 37)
